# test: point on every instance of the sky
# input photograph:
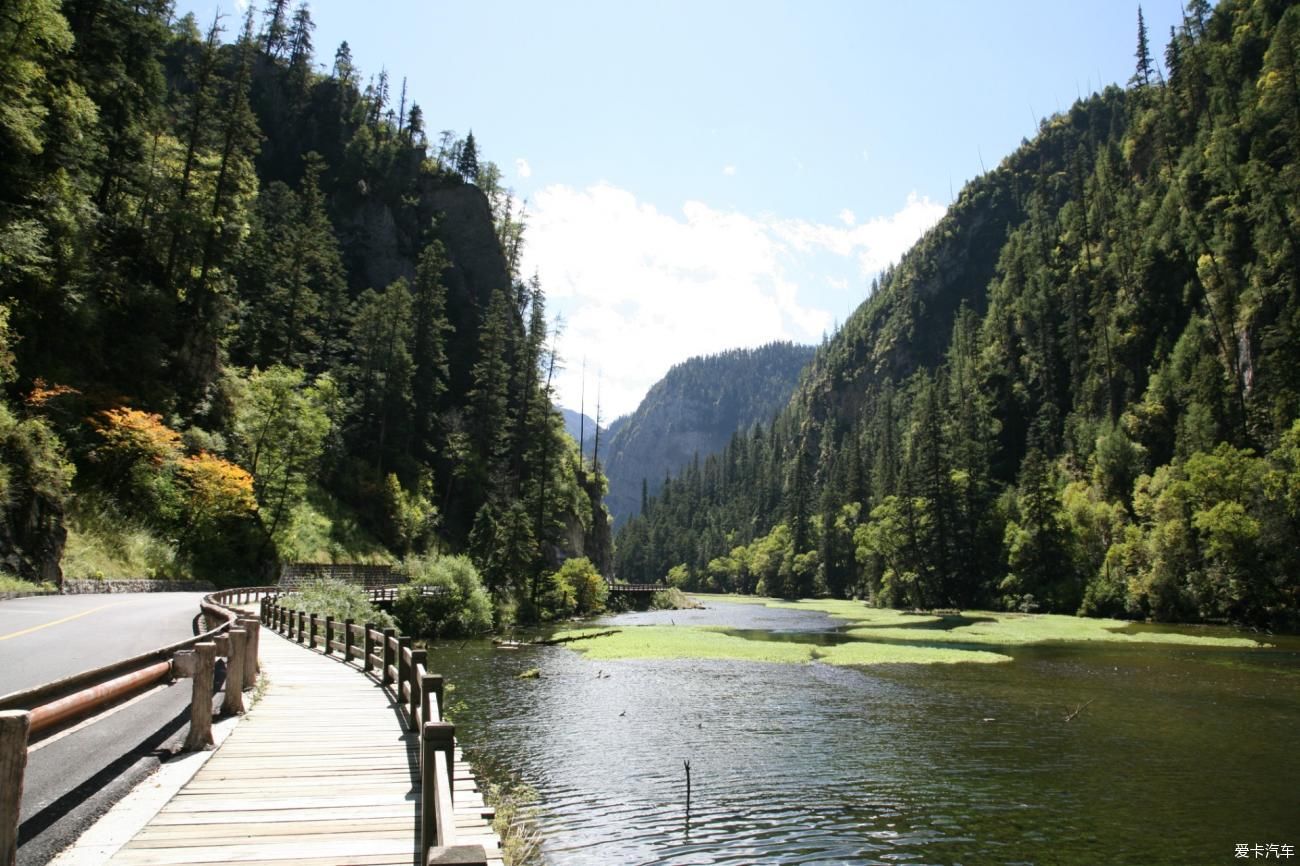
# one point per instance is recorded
(715, 174)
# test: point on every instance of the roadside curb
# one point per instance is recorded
(128, 817)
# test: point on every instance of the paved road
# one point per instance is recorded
(72, 780)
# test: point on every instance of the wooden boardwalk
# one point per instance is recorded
(321, 772)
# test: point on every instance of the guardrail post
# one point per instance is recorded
(419, 658)
(347, 640)
(311, 632)
(441, 737)
(200, 735)
(233, 704)
(329, 634)
(14, 725)
(252, 626)
(368, 648)
(389, 635)
(302, 625)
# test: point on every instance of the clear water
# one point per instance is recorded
(1182, 753)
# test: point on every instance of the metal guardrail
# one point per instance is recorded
(29, 716)
(403, 673)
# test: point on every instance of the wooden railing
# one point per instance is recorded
(637, 587)
(402, 671)
(388, 594)
(29, 716)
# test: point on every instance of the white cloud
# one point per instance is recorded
(640, 290)
(522, 168)
(729, 170)
(848, 217)
(875, 243)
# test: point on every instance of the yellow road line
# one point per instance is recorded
(60, 621)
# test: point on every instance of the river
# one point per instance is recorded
(1170, 754)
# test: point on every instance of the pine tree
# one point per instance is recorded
(489, 397)
(429, 347)
(1142, 75)
(467, 164)
(343, 71)
(275, 30)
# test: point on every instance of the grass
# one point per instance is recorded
(694, 642)
(322, 529)
(104, 545)
(993, 628)
(517, 823)
(9, 583)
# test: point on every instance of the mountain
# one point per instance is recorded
(693, 411)
(250, 313)
(1078, 392)
(579, 427)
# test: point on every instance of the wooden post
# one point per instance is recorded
(329, 634)
(434, 737)
(347, 640)
(200, 735)
(433, 686)
(416, 706)
(311, 632)
(440, 737)
(14, 725)
(457, 855)
(233, 704)
(302, 625)
(389, 635)
(403, 675)
(251, 627)
(367, 648)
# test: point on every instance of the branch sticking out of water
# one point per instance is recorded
(559, 640)
(1079, 709)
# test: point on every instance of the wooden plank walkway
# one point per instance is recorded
(320, 772)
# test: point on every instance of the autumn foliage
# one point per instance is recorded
(217, 488)
(131, 435)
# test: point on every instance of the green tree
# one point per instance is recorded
(279, 428)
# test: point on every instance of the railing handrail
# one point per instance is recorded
(41, 709)
(403, 673)
(30, 698)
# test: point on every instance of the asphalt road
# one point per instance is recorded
(72, 779)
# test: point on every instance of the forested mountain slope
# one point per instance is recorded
(1079, 391)
(251, 311)
(693, 411)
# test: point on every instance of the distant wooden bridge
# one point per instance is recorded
(636, 587)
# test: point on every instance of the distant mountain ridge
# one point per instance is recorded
(578, 425)
(694, 410)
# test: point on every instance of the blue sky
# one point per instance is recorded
(705, 175)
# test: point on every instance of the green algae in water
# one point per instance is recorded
(994, 628)
(1009, 629)
(691, 642)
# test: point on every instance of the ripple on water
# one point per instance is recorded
(813, 764)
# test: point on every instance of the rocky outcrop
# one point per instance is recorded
(693, 411)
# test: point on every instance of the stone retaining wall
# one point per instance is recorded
(86, 587)
(27, 593)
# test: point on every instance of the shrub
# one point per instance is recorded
(461, 607)
(339, 599)
(590, 591)
(558, 599)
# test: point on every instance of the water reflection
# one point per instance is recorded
(1182, 752)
